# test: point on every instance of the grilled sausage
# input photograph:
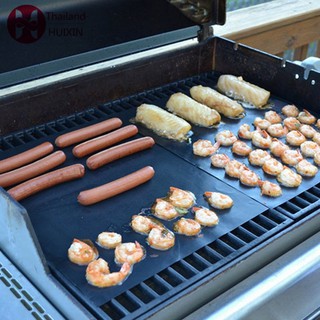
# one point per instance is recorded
(32, 170)
(46, 181)
(104, 141)
(116, 187)
(117, 152)
(26, 157)
(86, 133)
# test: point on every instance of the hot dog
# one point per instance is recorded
(104, 141)
(116, 187)
(118, 152)
(46, 181)
(86, 133)
(26, 157)
(32, 170)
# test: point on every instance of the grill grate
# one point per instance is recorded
(191, 269)
(303, 204)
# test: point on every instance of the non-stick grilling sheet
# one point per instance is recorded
(184, 150)
(58, 218)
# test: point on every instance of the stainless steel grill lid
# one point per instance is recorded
(49, 37)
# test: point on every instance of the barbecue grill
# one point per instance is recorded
(66, 93)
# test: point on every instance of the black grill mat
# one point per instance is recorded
(57, 217)
(184, 150)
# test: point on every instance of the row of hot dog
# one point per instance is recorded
(29, 171)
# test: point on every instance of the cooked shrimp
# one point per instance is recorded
(289, 178)
(98, 274)
(316, 138)
(142, 224)
(258, 157)
(241, 148)
(277, 147)
(306, 117)
(219, 160)
(249, 178)
(225, 138)
(263, 124)
(218, 200)
(205, 217)
(187, 227)
(291, 157)
(316, 158)
(244, 132)
(272, 167)
(292, 123)
(204, 148)
(317, 124)
(272, 117)
(130, 252)
(270, 189)
(109, 240)
(306, 169)
(261, 139)
(181, 198)
(161, 239)
(307, 131)
(290, 110)
(233, 168)
(82, 252)
(295, 138)
(164, 210)
(309, 148)
(277, 130)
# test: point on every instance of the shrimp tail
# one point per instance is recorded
(126, 269)
(260, 183)
(216, 146)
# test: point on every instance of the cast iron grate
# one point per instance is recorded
(182, 274)
(303, 204)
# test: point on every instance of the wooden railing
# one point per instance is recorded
(279, 27)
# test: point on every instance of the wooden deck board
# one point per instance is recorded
(275, 26)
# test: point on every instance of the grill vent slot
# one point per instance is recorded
(192, 268)
(305, 203)
(19, 293)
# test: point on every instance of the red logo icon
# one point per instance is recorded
(26, 24)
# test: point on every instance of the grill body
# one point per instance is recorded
(65, 102)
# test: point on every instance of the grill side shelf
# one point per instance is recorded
(20, 243)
